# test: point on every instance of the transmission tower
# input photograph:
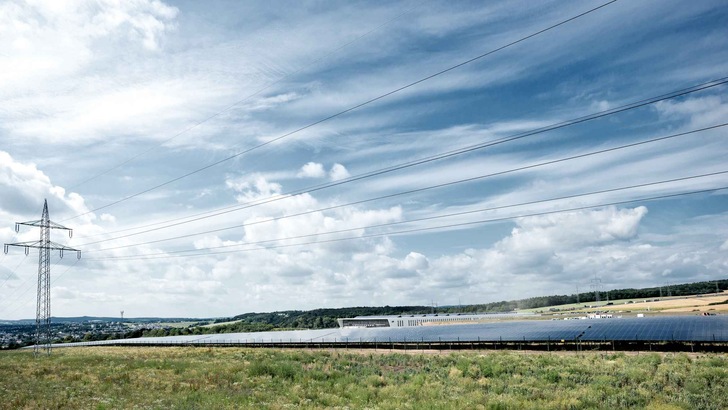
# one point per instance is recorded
(44, 246)
(596, 284)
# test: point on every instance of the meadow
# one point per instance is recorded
(191, 378)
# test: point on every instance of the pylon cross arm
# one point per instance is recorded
(37, 244)
(42, 224)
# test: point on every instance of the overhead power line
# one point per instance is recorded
(462, 224)
(442, 185)
(232, 208)
(340, 113)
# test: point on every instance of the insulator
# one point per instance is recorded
(5, 249)
(17, 227)
(70, 233)
(27, 251)
(78, 254)
(60, 252)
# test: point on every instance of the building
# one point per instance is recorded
(427, 320)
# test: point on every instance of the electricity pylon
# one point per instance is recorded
(44, 245)
(596, 284)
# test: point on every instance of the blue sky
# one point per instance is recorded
(102, 100)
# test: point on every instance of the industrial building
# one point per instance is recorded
(426, 319)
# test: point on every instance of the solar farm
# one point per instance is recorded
(634, 333)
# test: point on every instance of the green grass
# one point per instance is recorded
(191, 378)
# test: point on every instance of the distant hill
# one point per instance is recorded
(84, 319)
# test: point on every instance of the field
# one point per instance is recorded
(675, 304)
(162, 378)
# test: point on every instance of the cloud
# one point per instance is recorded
(539, 245)
(311, 170)
(252, 187)
(566, 250)
(267, 103)
(415, 261)
(55, 40)
(697, 111)
(316, 170)
(338, 172)
(108, 218)
(23, 187)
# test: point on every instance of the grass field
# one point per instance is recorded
(189, 378)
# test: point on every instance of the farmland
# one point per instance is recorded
(714, 303)
(102, 378)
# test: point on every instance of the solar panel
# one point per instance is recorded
(662, 328)
(669, 328)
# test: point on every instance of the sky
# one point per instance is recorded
(222, 157)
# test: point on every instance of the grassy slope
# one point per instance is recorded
(163, 378)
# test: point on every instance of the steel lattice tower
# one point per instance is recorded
(44, 245)
(596, 284)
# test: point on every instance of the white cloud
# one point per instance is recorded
(338, 172)
(699, 111)
(566, 250)
(252, 187)
(23, 187)
(316, 170)
(311, 170)
(48, 40)
(415, 261)
(267, 103)
(108, 218)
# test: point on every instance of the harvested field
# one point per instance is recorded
(683, 304)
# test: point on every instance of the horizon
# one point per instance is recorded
(260, 157)
(364, 306)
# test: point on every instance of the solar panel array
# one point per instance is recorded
(657, 329)
(674, 328)
(533, 330)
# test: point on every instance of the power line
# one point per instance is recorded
(197, 124)
(131, 257)
(340, 113)
(448, 154)
(134, 257)
(500, 173)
